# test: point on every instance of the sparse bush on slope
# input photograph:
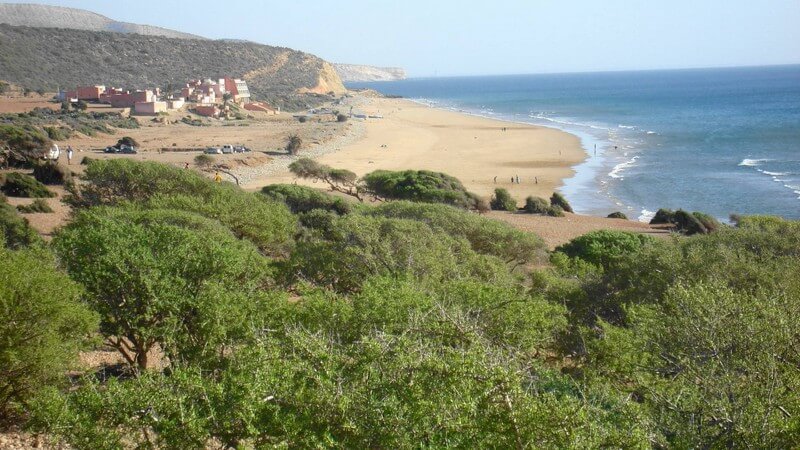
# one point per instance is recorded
(21, 185)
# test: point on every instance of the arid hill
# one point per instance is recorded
(49, 58)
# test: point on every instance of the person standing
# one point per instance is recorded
(217, 178)
(495, 179)
(517, 179)
(69, 155)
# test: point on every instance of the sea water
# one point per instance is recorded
(721, 141)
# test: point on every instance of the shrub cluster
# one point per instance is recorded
(15, 231)
(51, 173)
(391, 326)
(302, 199)
(617, 215)
(419, 186)
(38, 206)
(558, 200)
(686, 222)
(538, 205)
(503, 201)
(21, 185)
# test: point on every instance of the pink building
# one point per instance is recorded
(91, 93)
(128, 99)
(150, 108)
(207, 110)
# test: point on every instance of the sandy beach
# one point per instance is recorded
(473, 149)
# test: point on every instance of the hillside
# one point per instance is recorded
(49, 58)
(354, 72)
(29, 15)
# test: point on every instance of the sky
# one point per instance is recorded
(467, 37)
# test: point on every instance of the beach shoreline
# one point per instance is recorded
(472, 148)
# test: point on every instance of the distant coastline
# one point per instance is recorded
(664, 139)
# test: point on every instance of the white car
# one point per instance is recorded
(53, 153)
(227, 149)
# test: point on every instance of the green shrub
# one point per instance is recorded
(21, 185)
(27, 142)
(486, 236)
(42, 325)
(266, 223)
(51, 173)
(617, 215)
(688, 223)
(86, 160)
(127, 140)
(536, 205)
(710, 223)
(602, 246)
(58, 133)
(38, 206)
(165, 277)
(361, 246)
(15, 231)
(555, 211)
(421, 186)
(503, 201)
(301, 199)
(203, 160)
(341, 118)
(663, 216)
(558, 200)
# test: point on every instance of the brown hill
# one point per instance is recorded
(49, 58)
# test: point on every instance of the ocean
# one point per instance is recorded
(721, 141)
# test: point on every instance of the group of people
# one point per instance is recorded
(515, 179)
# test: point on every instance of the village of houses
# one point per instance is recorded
(207, 97)
(168, 129)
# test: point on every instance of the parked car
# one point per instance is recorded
(240, 149)
(227, 149)
(111, 149)
(53, 153)
(128, 149)
(213, 151)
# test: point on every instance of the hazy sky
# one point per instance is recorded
(428, 37)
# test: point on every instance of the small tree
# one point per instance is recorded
(294, 144)
(341, 118)
(164, 277)
(503, 201)
(339, 180)
(80, 105)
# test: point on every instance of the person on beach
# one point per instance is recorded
(217, 178)
(186, 165)
(517, 179)
(512, 180)
(535, 180)
(69, 155)
(495, 179)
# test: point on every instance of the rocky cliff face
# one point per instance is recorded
(353, 72)
(77, 19)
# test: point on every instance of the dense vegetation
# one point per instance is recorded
(279, 319)
(51, 57)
